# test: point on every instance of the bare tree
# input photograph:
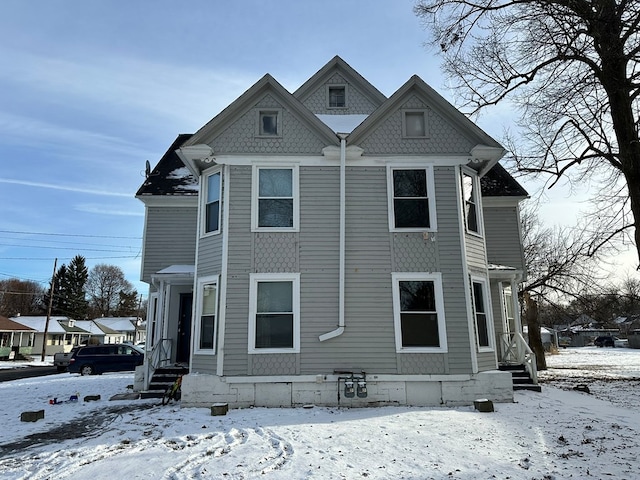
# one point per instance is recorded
(559, 267)
(571, 68)
(20, 297)
(104, 286)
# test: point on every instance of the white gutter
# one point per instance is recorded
(343, 160)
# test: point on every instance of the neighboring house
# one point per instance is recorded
(15, 338)
(62, 334)
(335, 246)
(120, 329)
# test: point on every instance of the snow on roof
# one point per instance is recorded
(342, 123)
(493, 266)
(38, 323)
(177, 270)
(119, 324)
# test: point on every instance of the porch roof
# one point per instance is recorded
(503, 272)
(8, 325)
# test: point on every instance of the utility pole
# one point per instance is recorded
(46, 325)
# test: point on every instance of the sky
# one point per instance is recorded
(89, 91)
(557, 434)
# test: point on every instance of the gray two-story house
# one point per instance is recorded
(335, 246)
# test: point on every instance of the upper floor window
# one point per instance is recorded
(337, 96)
(412, 204)
(470, 198)
(414, 124)
(419, 312)
(274, 313)
(275, 199)
(212, 206)
(269, 123)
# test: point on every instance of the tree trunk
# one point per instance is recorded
(533, 328)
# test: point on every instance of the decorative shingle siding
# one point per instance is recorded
(240, 136)
(443, 138)
(357, 103)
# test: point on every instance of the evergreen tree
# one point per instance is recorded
(76, 282)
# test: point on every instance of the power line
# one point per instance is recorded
(68, 235)
(69, 248)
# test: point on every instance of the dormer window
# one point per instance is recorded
(414, 124)
(337, 96)
(269, 123)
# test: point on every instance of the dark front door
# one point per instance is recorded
(184, 328)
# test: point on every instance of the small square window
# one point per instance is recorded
(415, 124)
(337, 97)
(269, 124)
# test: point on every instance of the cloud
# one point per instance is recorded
(101, 210)
(89, 191)
(183, 95)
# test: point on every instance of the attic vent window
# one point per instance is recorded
(269, 124)
(415, 124)
(337, 97)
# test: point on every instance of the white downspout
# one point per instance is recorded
(343, 170)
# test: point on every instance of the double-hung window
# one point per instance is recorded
(275, 205)
(207, 313)
(337, 96)
(482, 316)
(212, 204)
(274, 313)
(419, 312)
(412, 206)
(470, 199)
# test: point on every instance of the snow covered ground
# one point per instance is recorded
(557, 434)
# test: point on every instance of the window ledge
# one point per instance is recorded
(268, 351)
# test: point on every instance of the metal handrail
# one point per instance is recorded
(515, 350)
(160, 355)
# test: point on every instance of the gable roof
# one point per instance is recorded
(488, 151)
(337, 64)
(38, 323)
(247, 100)
(8, 325)
(170, 176)
(497, 182)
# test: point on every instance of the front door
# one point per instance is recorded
(184, 328)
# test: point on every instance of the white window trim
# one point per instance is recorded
(213, 279)
(478, 200)
(278, 112)
(346, 95)
(254, 198)
(431, 189)
(203, 203)
(425, 117)
(436, 278)
(254, 279)
(488, 312)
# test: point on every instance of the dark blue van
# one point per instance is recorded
(97, 359)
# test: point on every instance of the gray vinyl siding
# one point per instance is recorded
(372, 254)
(451, 267)
(169, 234)
(486, 361)
(502, 232)
(210, 255)
(476, 255)
(239, 267)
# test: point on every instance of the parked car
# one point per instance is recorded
(98, 359)
(61, 359)
(609, 341)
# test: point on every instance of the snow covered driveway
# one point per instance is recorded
(556, 434)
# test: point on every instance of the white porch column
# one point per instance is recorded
(516, 305)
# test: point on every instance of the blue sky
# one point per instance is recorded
(91, 90)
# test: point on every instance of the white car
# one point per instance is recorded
(620, 342)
